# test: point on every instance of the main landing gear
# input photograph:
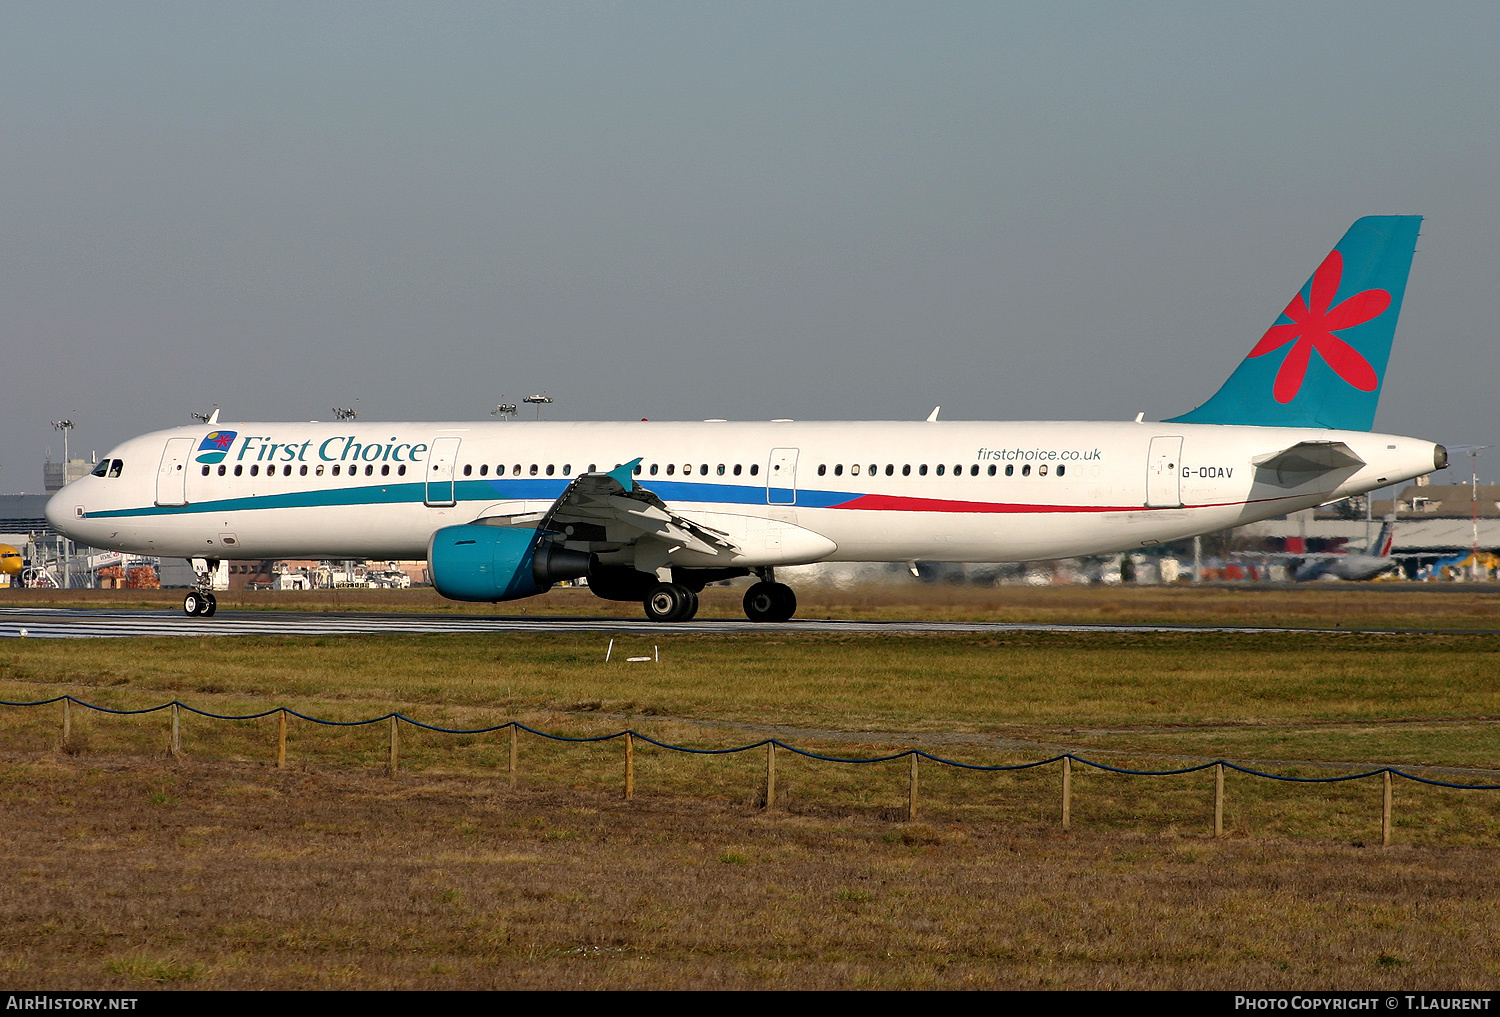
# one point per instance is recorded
(671, 602)
(200, 602)
(770, 602)
(766, 601)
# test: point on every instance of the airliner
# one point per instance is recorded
(650, 512)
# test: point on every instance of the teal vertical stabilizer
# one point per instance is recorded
(1322, 364)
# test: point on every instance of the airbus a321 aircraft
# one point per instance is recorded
(650, 512)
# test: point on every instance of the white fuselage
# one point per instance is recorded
(793, 492)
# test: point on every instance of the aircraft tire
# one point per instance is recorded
(193, 604)
(770, 602)
(669, 602)
(210, 606)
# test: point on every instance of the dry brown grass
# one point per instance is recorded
(1315, 605)
(124, 875)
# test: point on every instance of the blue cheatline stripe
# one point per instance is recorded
(902, 754)
(521, 489)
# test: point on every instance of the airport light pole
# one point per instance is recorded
(538, 401)
(505, 410)
(63, 550)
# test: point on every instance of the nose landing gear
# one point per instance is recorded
(200, 602)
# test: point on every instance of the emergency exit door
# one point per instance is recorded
(171, 473)
(440, 462)
(781, 477)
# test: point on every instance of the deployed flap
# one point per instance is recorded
(1307, 459)
(604, 504)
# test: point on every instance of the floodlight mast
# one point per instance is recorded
(539, 400)
(64, 426)
(345, 413)
(504, 409)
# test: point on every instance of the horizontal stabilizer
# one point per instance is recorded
(1308, 459)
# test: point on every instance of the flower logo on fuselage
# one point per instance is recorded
(213, 448)
(1312, 326)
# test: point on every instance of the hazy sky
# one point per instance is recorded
(713, 210)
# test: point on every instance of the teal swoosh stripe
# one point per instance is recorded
(385, 495)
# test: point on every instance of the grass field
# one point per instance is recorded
(218, 870)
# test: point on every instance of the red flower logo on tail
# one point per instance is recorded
(1312, 326)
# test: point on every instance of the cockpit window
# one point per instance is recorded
(102, 468)
(115, 466)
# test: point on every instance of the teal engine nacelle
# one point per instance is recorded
(492, 563)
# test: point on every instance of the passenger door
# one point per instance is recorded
(171, 473)
(1164, 473)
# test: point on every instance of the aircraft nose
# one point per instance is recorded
(59, 511)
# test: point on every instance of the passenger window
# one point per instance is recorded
(255, 471)
(754, 469)
(335, 470)
(922, 470)
(400, 470)
(593, 468)
(653, 469)
(822, 469)
(484, 469)
(369, 471)
(854, 470)
(703, 470)
(286, 471)
(1010, 471)
(940, 469)
(1026, 470)
(838, 470)
(720, 469)
(906, 470)
(992, 469)
(221, 470)
(890, 470)
(102, 468)
(687, 469)
(974, 470)
(318, 469)
(736, 469)
(468, 469)
(516, 470)
(532, 471)
(671, 468)
(385, 470)
(1061, 470)
(1041, 471)
(205, 471)
(873, 469)
(549, 469)
(567, 469)
(302, 471)
(958, 471)
(240, 469)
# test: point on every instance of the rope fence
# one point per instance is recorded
(771, 745)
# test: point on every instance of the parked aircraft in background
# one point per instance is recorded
(11, 561)
(1368, 563)
(651, 512)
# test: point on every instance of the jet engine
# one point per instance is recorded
(493, 563)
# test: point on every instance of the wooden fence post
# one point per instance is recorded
(770, 775)
(67, 722)
(1218, 799)
(513, 730)
(394, 762)
(629, 766)
(911, 791)
(176, 746)
(281, 740)
(1385, 812)
(1067, 802)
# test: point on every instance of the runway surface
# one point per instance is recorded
(88, 623)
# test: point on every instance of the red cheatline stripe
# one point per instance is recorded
(897, 503)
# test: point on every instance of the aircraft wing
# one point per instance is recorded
(612, 509)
